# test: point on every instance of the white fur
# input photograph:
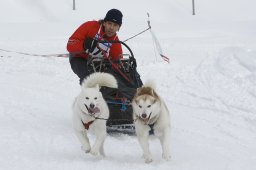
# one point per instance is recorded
(102, 79)
(146, 104)
(90, 95)
(150, 83)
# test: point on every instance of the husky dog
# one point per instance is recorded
(90, 111)
(151, 114)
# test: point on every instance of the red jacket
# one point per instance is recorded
(91, 29)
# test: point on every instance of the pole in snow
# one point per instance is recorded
(74, 4)
(193, 7)
(156, 42)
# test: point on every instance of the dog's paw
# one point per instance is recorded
(167, 157)
(86, 149)
(148, 158)
(94, 152)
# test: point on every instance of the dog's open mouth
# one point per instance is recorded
(92, 111)
(145, 120)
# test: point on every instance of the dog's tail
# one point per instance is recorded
(101, 79)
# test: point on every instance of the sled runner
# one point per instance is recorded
(118, 100)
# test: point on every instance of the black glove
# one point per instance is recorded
(90, 44)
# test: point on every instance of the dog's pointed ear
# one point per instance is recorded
(138, 91)
(154, 94)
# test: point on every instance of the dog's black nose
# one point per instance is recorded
(92, 105)
(144, 115)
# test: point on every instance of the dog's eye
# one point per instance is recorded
(149, 106)
(95, 98)
(140, 106)
(87, 98)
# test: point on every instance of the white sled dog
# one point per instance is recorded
(151, 113)
(88, 106)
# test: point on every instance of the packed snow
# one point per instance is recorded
(209, 84)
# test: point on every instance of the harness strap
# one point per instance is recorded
(151, 126)
(87, 125)
(99, 29)
(151, 131)
(114, 65)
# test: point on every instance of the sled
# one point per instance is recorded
(118, 100)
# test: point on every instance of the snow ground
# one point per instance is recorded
(209, 85)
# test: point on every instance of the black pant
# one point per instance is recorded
(79, 67)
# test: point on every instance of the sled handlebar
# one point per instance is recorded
(120, 42)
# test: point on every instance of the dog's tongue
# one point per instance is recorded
(145, 120)
(94, 110)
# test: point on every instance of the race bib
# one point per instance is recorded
(102, 48)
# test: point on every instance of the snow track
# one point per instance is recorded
(209, 85)
(213, 116)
